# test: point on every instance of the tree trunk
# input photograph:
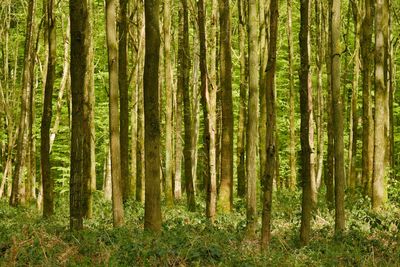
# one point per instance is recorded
(271, 149)
(337, 109)
(107, 184)
(292, 127)
(262, 128)
(252, 121)
(140, 156)
(330, 153)
(352, 175)
(183, 88)
(169, 151)
(379, 191)
(27, 79)
(65, 85)
(89, 162)
(112, 45)
(368, 123)
(48, 183)
(209, 101)
(320, 101)
(152, 219)
(80, 182)
(226, 188)
(306, 127)
(241, 137)
(123, 96)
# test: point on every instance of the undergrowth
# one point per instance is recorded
(188, 239)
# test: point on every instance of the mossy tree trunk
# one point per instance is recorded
(152, 213)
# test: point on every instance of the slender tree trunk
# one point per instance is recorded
(140, 156)
(337, 109)
(178, 119)
(47, 180)
(226, 188)
(183, 87)
(252, 121)
(209, 100)
(89, 162)
(169, 163)
(152, 219)
(262, 128)
(241, 137)
(368, 123)
(271, 149)
(112, 45)
(307, 131)
(391, 84)
(292, 127)
(27, 79)
(65, 85)
(330, 153)
(107, 184)
(353, 132)
(123, 95)
(320, 102)
(379, 192)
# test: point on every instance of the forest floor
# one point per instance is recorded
(188, 239)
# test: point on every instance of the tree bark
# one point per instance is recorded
(271, 149)
(226, 187)
(80, 182)
(47, 180)
(123, 95)
(183, 87)
(319, 100)
(152, 219)
(292, 127)
(169, 151)
(379, 191)
(241, 137)
(252, 120)
(368, 123)
(337, 109)
(330, 153)
(112, 45)
(353, 131)
(306, 127)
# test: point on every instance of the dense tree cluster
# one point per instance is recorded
(198, 100)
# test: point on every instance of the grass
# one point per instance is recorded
(188, 239)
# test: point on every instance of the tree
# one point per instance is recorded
(337, 108)
(209, 101)
(183, 88)
(47, 180)
(353, 131)
(226, 187)
(271, 149)
(251, 144)
(112, 45)
(169, 153)
(80, 184)
(123, 96)
(152, 214)
(27, 79)
(379, 192)
(241, 137)
(306, 127)
(368, 123)
(292, 146)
